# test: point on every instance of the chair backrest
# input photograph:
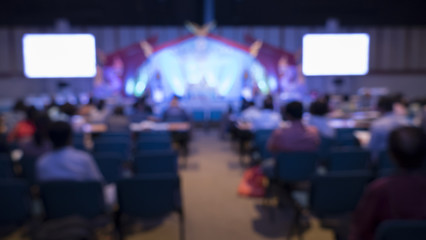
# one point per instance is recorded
(346, 137)
(119, 147)
(78, 141)
(6, 167)
(110, 164)
(156, 136)
(216, 115)
(109, 135)
(385, 162)
(337, 193)
(348, 159)
(325, 148)
(198, 116)
(155, 162)
(148, 145)
(261, 138)
(15, 202)
(295, 166)
(149, 196)
(67, 198)
(28, 164)
(401, 229)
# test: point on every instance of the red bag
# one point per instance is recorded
(251, 184)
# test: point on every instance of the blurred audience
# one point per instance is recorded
(267, 118)
(175, 113)
(39, 144)
(381, 127)
(399, 196)
(99, 113)
(296, 136)
(141, 111)
(65, 162)
(24, 129)
(118, 122)
(16, 115)
(318, 119)
(250, 113)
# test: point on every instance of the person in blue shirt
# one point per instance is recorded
(175, 113)
(65, 162)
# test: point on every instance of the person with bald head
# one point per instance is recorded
(399, 196)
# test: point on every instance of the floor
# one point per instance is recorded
(213, 210)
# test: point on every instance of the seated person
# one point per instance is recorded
(296, 136)
(118, 122)
(399, 196)
(175, 113)
(141, 111)
(319, 120)
(382, 126)
(250, 113)
(65, 162)
(267, 118)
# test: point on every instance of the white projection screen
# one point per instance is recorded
(335, 54)
(59, 55)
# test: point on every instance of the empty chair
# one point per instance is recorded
(401, 229)
(198, 116)
(261, 138)
(337, 193)
(110, 164)
(28, 168)
(148, 145)
(157, 136)
(109, 135)
(348, 159)
(215, 116)
(346, 137)
(150, 197)
(153, 162)
(385, 163)
(119, 147)
(295, 166)
(67, 198)
(6, 167)
(15, 202)
(325, 148)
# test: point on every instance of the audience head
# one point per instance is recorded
(42, 123)
(293, 111)
(318, 108)
(268, 103)
(175, 101)
(407, 146)
(31, 114)
(60, 134)
(119, 111)
(101, 105)
(385, 104)
(19, 105)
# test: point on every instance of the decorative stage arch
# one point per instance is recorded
(197, 66)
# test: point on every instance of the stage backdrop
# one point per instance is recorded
(397, 54)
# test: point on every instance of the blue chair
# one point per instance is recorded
(346, 137)
(110, 164)
(78, 141)
(150, 197)
(385, 162)
(28, 164)
(336, 194)
(114, 135)
(67, 198)
(198, 116)
(153, 145)
(15, 202)
(154, 162)
(348, 159)
(325, 148)
(6, 167)
(215, 116)
(156, 136)
(261, 138)
(293, 167)
(119, 147)
(401, 229)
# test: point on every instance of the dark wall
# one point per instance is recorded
(100, 12)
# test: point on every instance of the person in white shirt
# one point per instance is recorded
(318, 119)
(267, 118)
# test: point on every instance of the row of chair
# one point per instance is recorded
(146, 197)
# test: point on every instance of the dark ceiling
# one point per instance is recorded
(228, 12)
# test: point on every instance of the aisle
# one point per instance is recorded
(212, 207)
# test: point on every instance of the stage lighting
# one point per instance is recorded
(59, 55)
(335, 54)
